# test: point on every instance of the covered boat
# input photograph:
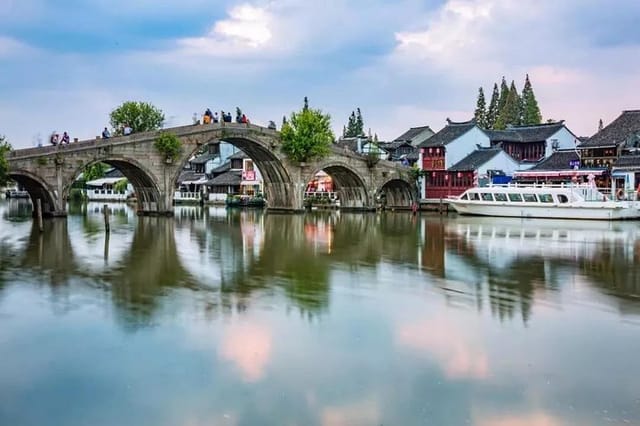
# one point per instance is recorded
(565, 201)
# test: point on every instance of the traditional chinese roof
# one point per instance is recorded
(189, 176)
(476, 159)
(391, 147)
(449, 133)
(230, 178)
(240, 155)
(626, 126)
(202, 159)
(113, 173)
(349, 143)
(525, 134)
(221, 169)
(410, 134)
(627, 161)
(559, 160)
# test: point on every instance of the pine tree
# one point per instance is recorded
(492, 111)
(600, 125)
(481, 110)
(530, 110)
(359, 125)
(504, 93)
(510, 114)
(305, 107)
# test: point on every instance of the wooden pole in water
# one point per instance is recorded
(106, 218)
(39, 213)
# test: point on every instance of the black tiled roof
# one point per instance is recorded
(113, 173)
(476, 159)
(233, 177)
(240, 155)
(559, 160)
(392, 146)
(627, 161)
(188, 175)
(448, 134)
(221, 169)
(626, 126)
(203, 158)
(535, 133)
(349, 143)
(412, 133)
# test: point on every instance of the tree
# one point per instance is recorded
(481, 110)
(307, 135)
(355, 126)
(140, 116)
(169, 145)
(305, 106)
(530, 110)
(5, 148)
(504, 93)
(510, 113)
(94, 171)
(359, 128)
(492, 111)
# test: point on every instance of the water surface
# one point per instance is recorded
(219, 317)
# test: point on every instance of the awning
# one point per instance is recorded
(557, 173)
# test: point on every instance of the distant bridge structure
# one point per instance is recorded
(48, 173)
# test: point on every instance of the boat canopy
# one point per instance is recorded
(557, 173)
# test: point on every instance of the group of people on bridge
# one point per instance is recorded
(55, 139)
(212, 117)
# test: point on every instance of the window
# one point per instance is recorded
(248, 165)
(530, 198)
(464, 197)
(515, 198)
(474, 196)
(545, 198)
(487, 196)
(500, 196)
(563, 198)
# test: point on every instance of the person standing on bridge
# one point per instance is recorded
(106, 134)
(54, 139)
(65, 138)
(127, 130)
(215, 117)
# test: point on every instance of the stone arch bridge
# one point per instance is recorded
(47, 173)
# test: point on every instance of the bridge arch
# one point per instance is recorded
(144, 182)
(277, 181)
(38, 188)
(350, 187)
(397, 192)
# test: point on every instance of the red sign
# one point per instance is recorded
(249, 175)
(433, 164)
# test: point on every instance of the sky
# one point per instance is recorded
(65, 64)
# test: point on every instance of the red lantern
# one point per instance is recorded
(446, 177)
(459, 175)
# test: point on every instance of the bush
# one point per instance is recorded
(77, 195)
(169, 145)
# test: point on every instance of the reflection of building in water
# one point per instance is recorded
(320, 233)
(432, 256)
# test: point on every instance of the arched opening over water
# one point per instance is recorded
(348, 186)
(38, 190)
(146, 191)
(277, 184)
(396, 193)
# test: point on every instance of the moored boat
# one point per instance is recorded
(571, 201)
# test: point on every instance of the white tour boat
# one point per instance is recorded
(571, 201)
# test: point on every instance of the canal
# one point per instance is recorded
(219, 317)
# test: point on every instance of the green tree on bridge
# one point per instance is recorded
(5, 147)
(140, 116)
(307, 134)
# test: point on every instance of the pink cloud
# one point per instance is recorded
(248, 346)
(534, 419)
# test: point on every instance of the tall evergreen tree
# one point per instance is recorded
(530, 110)
(359, 127)
(492, 111)
(481, 110)
(504, 93)
(510, 114)
(305, 106)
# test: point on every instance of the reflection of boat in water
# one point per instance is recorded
(544, 201)
(550, 238)
(245, 201)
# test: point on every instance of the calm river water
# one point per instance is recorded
(219, 317)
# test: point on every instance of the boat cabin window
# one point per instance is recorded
(474, 196)
(515, 197)
(487, 196)
(464, 197)
(545, 198)
(499, 196)
(563, 198)
(530, 198)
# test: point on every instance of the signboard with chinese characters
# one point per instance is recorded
(249, 175)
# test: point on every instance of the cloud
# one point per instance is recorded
(248, 346)
(457, 348)
(366, 412)
(529, 419)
